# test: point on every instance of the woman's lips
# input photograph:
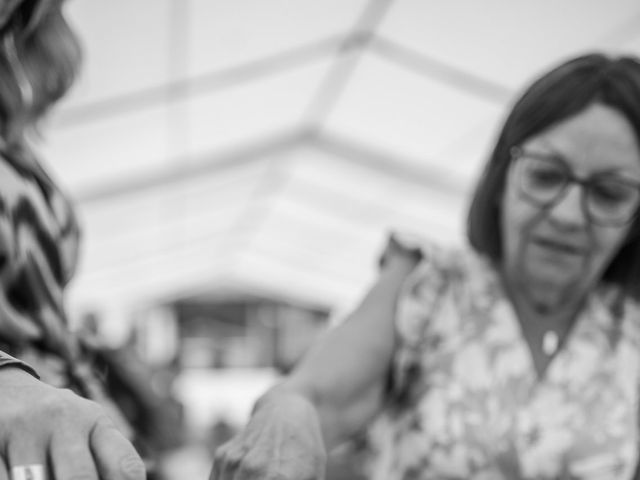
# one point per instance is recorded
(558, 246)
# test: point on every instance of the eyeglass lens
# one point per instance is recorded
(608, 199)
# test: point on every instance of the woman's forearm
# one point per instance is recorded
(344, 374)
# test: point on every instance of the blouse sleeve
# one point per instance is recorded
(402, 244)
(417, 305)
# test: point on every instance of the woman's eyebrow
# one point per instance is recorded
(548, 148)
(618, 172)
(545, 147)
(548, 153)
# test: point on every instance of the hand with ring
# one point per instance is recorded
(47, 433)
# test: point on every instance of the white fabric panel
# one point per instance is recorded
(632, 44)
(149, 280)
(227, 33)
(392, 109)
(126, 46)
(110, 149)
(193, 216)
(363, 196)
(503, 40)
(252, 110)
(330, 222)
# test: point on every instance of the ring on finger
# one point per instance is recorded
(28, 472)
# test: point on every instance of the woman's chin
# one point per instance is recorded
(550, 284)
(554, 269)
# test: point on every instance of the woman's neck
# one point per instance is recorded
(545, 303)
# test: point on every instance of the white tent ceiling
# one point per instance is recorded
(267, 145)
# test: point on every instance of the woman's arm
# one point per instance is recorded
(334, 391)
(345, 374)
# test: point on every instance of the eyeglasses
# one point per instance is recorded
(607, 198)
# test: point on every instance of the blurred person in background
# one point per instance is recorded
(515, 358)
(45, 431)
(143, 394)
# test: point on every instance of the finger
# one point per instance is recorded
(27, 449)
(29, 472)
(247, 471)
(215, 474)
(257, 467)
(218, 460)
(70, 456)
(226, 462)
(114, 456)
(240, 464)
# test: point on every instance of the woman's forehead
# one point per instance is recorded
(599, 137)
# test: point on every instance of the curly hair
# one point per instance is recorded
(39, 60)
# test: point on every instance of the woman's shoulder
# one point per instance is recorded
(451, 261)
(452, 272)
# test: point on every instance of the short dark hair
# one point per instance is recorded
(564, 91)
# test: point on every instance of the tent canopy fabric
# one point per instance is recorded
(220, 146)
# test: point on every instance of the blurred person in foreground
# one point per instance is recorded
(45, 431)
(516, 358)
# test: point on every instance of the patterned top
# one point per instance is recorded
(39, 238)
(38, 246)
(466, 401)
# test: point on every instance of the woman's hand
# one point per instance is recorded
(282, 441)
(68, 436)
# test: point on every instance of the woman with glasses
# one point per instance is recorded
(518, 358)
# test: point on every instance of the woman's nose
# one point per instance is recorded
(569, 210)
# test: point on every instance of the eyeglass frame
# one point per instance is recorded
(517, 153)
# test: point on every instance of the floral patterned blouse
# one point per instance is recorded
(466, 401)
